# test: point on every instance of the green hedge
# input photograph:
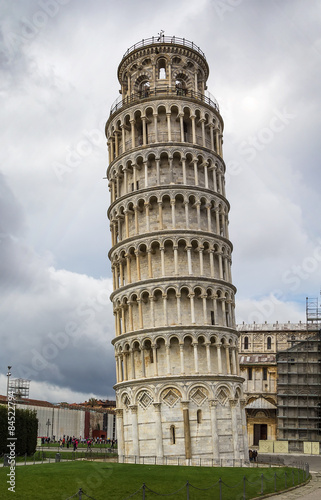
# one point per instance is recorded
(25, 430)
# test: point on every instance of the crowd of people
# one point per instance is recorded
(69, 441)
(253, 455)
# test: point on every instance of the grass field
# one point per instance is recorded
(113, 481)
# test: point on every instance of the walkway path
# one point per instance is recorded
(312, 491)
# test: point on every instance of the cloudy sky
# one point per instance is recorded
(59, 62)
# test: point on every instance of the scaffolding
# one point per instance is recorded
(299, 384)
(19, 387)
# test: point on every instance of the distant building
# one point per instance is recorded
(281, 367)
(299, 392)
(58, 420)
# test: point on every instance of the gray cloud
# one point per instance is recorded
(58, 63)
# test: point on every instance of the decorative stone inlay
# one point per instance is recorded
(145, 400)
(222, 397)
(126, 401)
(198, 396)
(171, 397)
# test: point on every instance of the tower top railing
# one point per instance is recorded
(165, 91)
(164, 39)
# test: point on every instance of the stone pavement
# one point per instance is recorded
(312, 491)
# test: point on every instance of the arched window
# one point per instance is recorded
(199, 416)
(269, 343)
(172, 432)
(162, 69)
(246, 342)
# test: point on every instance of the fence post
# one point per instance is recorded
(80, 493)
(143, 491)
(244, 488)
(285, 483)
(220, 485)
(262, 484)
(187, 490)
(275, 481)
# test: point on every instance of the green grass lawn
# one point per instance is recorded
(113, 481)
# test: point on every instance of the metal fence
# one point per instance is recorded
(222, 490)
(164, 91)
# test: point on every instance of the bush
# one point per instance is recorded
(26, 429)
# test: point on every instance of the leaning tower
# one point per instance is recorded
(178, 390)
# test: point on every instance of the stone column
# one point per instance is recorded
(135, 437)
(186, 214)
(181, 353)
(152, 314)
(146, 173)
(200, 251)
(208, 356)
(244, 428)
(187, 432)
(175, 248)
(195, 173)
(193, 129)
(215, 443)
(178, 298)
(191, 297)
(160, 213)
(155, 126)
(132, 125)
(142, 353)
(129, 277)
(209, 218)
(157, 171)
(144, 129)
(137, 265)
(173, 214)
(147, 206)
(158, 430)
(181, 124)
(205, 321)
(140, 313)
(162, 260)
(214, 179)
(195, 346)
(132, 361)
(123, 143)
(150, 263)
(168, 362)
(189, 259)
(219, 358)
(126, 223)
(212, 135)
(165, 308)
(184, 171)
(228, 364)
(202, 120)
(169, 131)
(130, 314)
(120, 433)
(154, 347)
(235, 434)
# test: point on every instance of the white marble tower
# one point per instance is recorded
(178, 390)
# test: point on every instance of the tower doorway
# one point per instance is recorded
(260, 433)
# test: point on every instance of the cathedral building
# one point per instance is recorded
(179, 392)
